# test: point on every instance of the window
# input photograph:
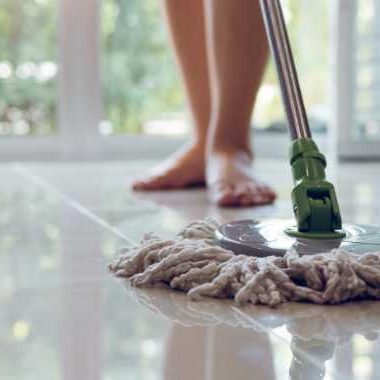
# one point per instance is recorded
(28, 67)
(87, 79)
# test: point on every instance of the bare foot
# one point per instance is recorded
(185, 168)
(231, 182)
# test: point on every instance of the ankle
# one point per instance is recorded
(199, 143)
(230, 149)
(196, 148)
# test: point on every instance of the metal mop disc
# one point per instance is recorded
(268, 238)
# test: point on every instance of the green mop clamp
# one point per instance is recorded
(315, 204)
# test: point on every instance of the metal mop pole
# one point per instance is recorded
(314, 201)
(287, 75)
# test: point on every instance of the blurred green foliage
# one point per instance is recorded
(308, 29)
(138, 74)
(28, 41)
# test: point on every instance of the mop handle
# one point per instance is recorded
(287, 74)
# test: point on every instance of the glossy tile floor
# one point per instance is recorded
(62, 316)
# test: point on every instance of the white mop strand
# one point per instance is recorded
(193, 263)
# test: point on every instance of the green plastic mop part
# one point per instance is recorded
(315, 204)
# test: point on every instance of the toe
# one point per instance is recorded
(138, 186)
(251, 194)
(147, 184)
(223, 195)
(266, 189)
(246, 195)
(268, 194)
(241, 195)
(226, 200)
(246, 200)
(260, 198)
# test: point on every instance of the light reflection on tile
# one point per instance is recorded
(62, 316)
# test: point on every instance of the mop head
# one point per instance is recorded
(193, 263)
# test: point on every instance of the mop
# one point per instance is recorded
(316, 260)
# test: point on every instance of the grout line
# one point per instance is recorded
(47, 186)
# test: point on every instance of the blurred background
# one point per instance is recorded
(96, 80)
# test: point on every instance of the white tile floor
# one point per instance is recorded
(62, 316)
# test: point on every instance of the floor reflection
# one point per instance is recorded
(209, 333)
(309, 358)
(215, 353)
(81, 322)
